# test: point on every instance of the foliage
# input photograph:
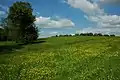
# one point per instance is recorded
(106, 35)
(98, 34)
(2, 35)
(76, 34)
(112, 35)
(87, 34)
(56, 36)
(21, 22)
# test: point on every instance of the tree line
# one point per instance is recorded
(86, 34)
(19, 24)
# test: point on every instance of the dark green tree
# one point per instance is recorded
(100, 34)
(112, 35)
(21, 22)
(1, 34)
(76, 34)
(106, 35)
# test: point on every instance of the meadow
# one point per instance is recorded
(62, 58)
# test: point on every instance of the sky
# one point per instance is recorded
(55, 17)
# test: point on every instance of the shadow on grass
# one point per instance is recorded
(37, 42)
(6, 49)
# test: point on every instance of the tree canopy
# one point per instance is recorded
(20, 21)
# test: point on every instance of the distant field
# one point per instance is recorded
(62, 58)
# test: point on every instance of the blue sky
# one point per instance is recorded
(73, 16)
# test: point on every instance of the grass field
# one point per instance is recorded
(62, 58)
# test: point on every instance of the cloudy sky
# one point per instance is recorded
(73, 16)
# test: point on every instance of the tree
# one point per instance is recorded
(112, 35)
(21, 22)
(56, 36)
(3, 36)
(69, 35)
(99, 34)
(82, 34)
(77, 34)
(106, 35)
(90, 34)
(60, 35)
(95, 34)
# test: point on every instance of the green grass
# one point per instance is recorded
(62, 58)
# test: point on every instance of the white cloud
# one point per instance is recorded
(105, 23)
(49, 22)
(54, 33)
(72, 34)
(3, 7)
(95, 30)
(36, 13)
(2, 13)
(110, 1)
(111, 21)
(1, 27)
(86, 6)
(48, 34)
(41, 31)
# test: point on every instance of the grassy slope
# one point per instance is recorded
(63, 58)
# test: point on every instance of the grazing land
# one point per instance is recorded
(62, 58)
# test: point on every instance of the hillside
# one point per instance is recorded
(62, 58)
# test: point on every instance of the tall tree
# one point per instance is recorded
(21, 22)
